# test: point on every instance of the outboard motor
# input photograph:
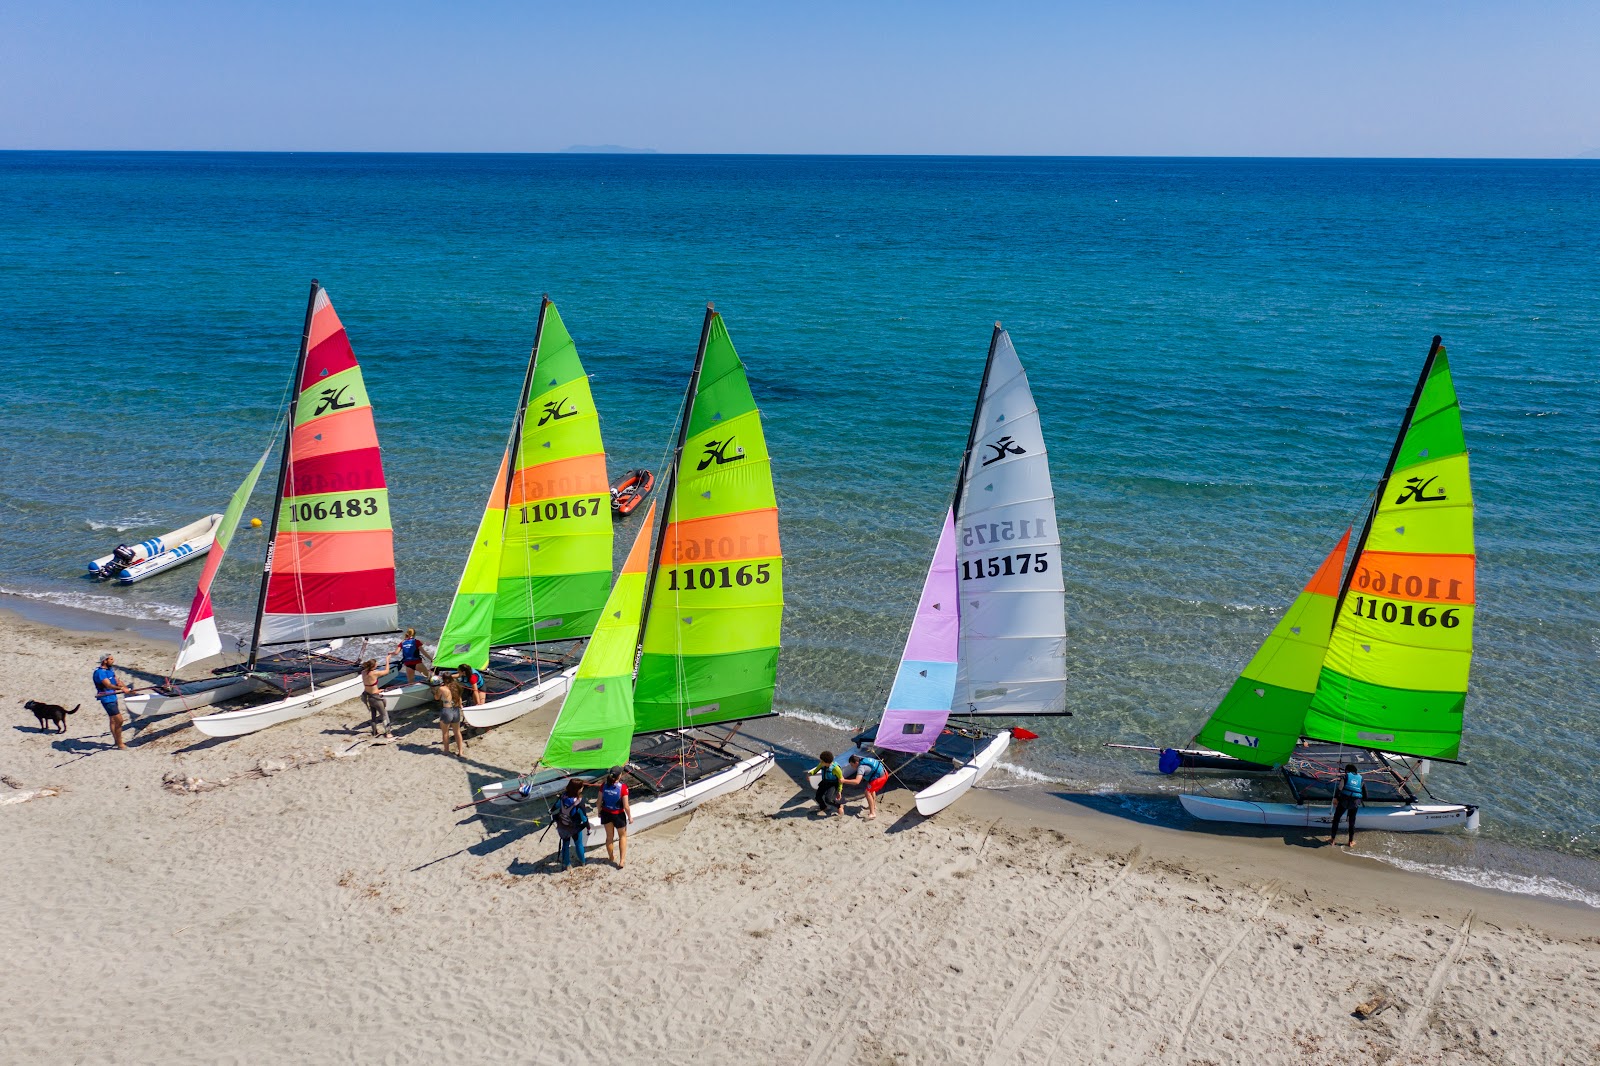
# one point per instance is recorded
(122, 557)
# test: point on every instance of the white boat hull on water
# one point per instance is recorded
(952, 786)
(252, 719)
(650, 812)
(191, 695)
(514, 705)
(153, 556)
(1396, 818)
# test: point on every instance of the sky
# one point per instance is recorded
(1417, 78)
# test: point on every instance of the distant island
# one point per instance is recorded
(608, 149)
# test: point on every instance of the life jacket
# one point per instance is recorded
(832, 774)
(1352, 786)
(473, 678)
(611, 797)
(570, 812)
(411, 650)
(872, 768)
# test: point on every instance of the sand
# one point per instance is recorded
(315, 899)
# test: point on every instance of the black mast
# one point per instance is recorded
(283, 473)
(1383, 482)
(972, 432)
(514, 449)
(672, 478)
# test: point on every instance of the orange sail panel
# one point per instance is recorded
(332, 560)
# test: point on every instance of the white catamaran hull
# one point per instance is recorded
(652, 812)
(215, 691)
(516, 704)
(1396, 818)
(952, 786)
(238, 723)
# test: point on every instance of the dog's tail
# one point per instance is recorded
(75, 709)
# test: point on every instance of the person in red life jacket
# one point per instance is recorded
(1347, 799)
(870, 771)
(410, 651)
(615, 814)
(471, 681)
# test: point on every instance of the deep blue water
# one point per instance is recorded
(1221, 350)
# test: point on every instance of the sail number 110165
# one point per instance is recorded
(691, 578)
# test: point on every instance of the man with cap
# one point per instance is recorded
(107, 689)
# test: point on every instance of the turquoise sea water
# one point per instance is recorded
(1221, 350)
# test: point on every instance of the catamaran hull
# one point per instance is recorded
(215, 691)
(952, 786)
(1400, 818)
(516, 704)
(650, 813)
(250, 720)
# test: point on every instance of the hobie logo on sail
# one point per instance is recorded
(1242, 740)
(330, 401)
(1417, 491)
(554, 413)
(1003, 447)
(717, 452)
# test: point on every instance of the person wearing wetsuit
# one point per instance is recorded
(1347, 798)
(107, 689)
(830, 790)
(869, 770)
(572, 823)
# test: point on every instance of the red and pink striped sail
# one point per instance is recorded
(332, 562)
(200, 637)
(919, 702)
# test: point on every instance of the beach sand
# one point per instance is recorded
(317, 900)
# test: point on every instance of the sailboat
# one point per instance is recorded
(1370, 669)
(706, 638)
(329, 575)
(989, 633)
(539, 568)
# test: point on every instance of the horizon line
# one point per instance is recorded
(1584, 157)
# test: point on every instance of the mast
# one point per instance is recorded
(972, 431)
(283, 474)
(514, 447)
(1388, 471)
(672, 479)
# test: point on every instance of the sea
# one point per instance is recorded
(1221, 350)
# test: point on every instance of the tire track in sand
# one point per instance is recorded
(1269, 892)
(1416, 1021)
(1020, 1015)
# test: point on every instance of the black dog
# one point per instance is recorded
(49, 712)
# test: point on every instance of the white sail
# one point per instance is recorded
(1008, 556)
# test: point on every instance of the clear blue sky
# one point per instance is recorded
(1140, 77)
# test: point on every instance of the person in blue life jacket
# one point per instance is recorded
(572, 823)
(410, 651)
(830, 790)
(471, 681)
(868, 770)
(615, 814)
(1347, 797)
(107, 689)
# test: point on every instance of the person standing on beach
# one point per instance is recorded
(1347, 798)
(107, 689)
(869, 769)
(572, 822)
(410, 650)
(372, 697)
(449, 696)
(830, 790)
(471, 681)
(615, 814)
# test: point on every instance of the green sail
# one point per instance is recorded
(467, 630)
(710, 647)
(1260, 718)
(555, 563)
(595, 727)
(1395, 677)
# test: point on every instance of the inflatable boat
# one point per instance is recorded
(135, 562)
(629, 492)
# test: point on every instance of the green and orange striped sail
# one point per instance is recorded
(1395, 677)
(1260, 718)
(540, 565)
(595, 727)
(710, 647)
(331, 567)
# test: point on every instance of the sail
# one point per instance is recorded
(1260, 718)
(555, 565)
(200, 638)
(710, 647)
(919, 702)
(1395, 677)
(595, 727)
(332, 559)
(465, 638)
(1008, 554)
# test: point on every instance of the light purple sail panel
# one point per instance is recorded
(919, 703)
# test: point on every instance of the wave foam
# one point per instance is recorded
(1032, 776)
(140, 610)
(121, 525)
(817, 718)
(1519, 884)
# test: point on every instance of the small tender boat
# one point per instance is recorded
(629, 491)
(134, 562)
